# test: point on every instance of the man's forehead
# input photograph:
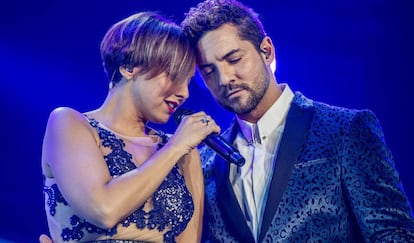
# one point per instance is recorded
(221, 40)
(218, 50)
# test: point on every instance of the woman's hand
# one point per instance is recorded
(45, 239)
(192, 130)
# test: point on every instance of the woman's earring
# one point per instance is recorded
(128, 69)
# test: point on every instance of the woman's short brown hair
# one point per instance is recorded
(148, 41)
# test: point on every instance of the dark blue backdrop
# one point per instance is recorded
(351, 53)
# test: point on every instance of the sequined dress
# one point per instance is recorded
(161, 218)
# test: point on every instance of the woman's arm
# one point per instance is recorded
(72, 154)
(191, 167)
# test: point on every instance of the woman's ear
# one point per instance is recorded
(127, 71)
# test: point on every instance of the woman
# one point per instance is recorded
(107, 175)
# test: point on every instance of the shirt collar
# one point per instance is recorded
(271, 119)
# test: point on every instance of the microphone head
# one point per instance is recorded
(236, 158)
(180, 113)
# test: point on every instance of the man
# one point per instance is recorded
(313, 172)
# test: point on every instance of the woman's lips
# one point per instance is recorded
(172, 106)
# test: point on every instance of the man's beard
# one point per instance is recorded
(257, 91)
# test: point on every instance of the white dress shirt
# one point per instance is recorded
(258, 144)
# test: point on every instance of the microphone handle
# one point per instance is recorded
(214, 141)
(225, 150)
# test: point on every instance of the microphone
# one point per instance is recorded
(215, 141)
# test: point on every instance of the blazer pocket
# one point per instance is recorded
(310, 163)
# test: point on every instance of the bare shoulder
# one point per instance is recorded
(65, 128)
(65, 122)
(64, 113)
(65, 116)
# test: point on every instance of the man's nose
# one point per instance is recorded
(225, 75)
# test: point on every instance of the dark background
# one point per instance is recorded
(355, 53)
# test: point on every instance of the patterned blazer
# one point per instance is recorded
(334, 181)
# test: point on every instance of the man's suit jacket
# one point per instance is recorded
(334, 181)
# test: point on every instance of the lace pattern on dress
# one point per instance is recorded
(172, 202)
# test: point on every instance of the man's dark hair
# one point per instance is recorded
(211, 14)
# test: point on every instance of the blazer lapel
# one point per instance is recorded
(227, 200)
(297, 124)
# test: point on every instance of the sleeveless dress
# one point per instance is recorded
(162, 218)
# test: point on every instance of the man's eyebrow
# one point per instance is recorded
(230, 53)
(222, 58)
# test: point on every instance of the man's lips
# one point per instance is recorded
(232, 93)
